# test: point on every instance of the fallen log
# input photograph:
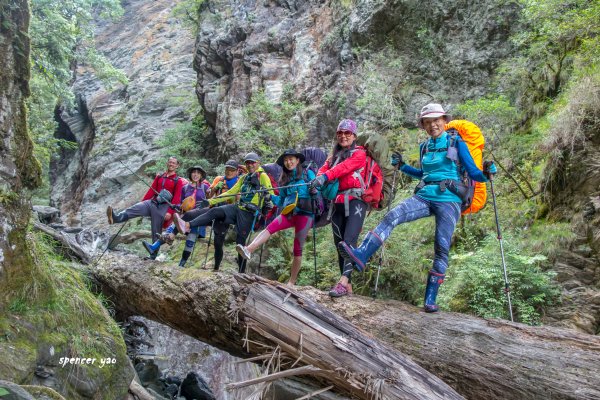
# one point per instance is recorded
(69, 245)
(251, 317)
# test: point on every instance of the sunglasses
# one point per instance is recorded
(344, 133)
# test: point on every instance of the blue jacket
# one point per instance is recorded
(436, 166)
(288, 195)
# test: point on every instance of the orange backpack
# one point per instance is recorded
(472, 136)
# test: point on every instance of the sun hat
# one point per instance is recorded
(290, 152)
(432, 110)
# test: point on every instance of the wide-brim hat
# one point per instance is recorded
(195, 168)
(290, 152)
(432, 110)
(252, 157)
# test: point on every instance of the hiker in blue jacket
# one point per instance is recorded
(438, 194)
(296, 208)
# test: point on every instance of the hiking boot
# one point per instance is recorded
(115, 218)
(243, 251)
(338, 290)
(182, 226)
(152, 248)
(361, 254)
(110, 214)
(434, 280)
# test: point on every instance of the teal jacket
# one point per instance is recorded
(436, 166)
(288, 195)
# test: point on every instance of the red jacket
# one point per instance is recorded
(172, 183)
(344, 170)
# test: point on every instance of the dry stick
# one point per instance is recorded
(308, 396)
(305, 370)
(512, 178)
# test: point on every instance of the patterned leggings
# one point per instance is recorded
(446, 216)
(301, 224)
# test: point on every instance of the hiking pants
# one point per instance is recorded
(193, 214)
(219, 232)
(150, 208)
(229, 214)
(446, 217)
(301, 225)
(347, 228)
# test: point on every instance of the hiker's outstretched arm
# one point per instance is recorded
(468, 163)
(235, 189)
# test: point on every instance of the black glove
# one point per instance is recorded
(313, 192)
(268, 205)
(266, 196)
(202, 204)
(177, 208)
(318, 181)
(489, 169)
(397, 160)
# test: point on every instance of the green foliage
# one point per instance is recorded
(381, 88)
(55, 296)
(273, 127)
(493, 114)
(475, 283)
(555, 34)
(184, 141)
(188, 11)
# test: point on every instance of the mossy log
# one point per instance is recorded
(357, 344)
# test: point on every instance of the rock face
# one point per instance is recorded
(572, 193)
(445, 51)
(123, 124)
(175, 354)
(18, 169)
(321, 53)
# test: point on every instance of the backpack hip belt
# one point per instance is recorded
(454, 186)
(356, 192)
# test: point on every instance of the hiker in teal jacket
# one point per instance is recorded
(438, 194)
(296, 208)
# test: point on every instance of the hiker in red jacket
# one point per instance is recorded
(154, 205)
(349, 210)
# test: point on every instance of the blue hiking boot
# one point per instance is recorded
(434, 280)
(153, 248)
(362, 253)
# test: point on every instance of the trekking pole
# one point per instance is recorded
(212, 227)
(506, 285)
(145, 183)
(389, 207)
(260, 190)
(262, 247)
(314, 229)
(110, 242)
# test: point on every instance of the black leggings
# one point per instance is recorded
(347, 228)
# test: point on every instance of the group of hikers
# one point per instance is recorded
(303, 195)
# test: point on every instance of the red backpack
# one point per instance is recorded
(371, 182)
(376, 193)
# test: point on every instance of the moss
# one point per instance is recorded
(51, 307)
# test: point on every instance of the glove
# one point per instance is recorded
(202, 204)
(397, 160)
(313, 192)
(219, 185)
(177, 208)
(489, 169)
(266, 196)
(268, 205)
(318, 181)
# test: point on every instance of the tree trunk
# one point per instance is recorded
(302, 330)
